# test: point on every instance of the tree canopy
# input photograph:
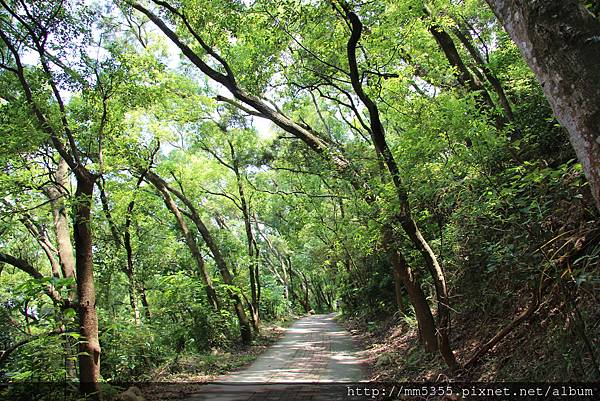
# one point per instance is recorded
(177, 173)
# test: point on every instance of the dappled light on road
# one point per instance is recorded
(314, 350)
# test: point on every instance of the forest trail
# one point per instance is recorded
(315, 349)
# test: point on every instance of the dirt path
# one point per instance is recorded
(314, 350)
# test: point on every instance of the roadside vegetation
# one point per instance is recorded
(178, 177)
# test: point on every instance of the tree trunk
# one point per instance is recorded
(40, 234)
(89, 346)
(130, 269)
(131, 277)
(559, 39)
(425, 321)
(189, 239)
(57, 194)
(466, 39)
(245, 330)
(253, 266)
(306, 302)
(147, 312)
(106, 208)
(441, 291)
(405, 217)
(59, 304)
(464, 76)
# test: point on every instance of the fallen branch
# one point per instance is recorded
(525, 315)
(578, 249)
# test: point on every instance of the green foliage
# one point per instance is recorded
(497, 202)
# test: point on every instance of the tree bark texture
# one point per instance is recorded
(560, 40)
(89, 346)
(57, 193)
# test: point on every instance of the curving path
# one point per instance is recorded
(315, 349)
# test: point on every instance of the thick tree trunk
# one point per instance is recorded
(89, 346)
(559, 39)
(57, 193)
(425, 320)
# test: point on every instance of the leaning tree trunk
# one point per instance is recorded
(402, 271)
(211, 293)
(245, 330)
(464, 76)
(405, 216)
(559, 39)
(466, 39)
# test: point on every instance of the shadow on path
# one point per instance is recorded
(314, 351)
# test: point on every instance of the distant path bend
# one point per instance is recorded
(315, 349)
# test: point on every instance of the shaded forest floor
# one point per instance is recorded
(549, 347)
(187, 374)
(559, 341)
